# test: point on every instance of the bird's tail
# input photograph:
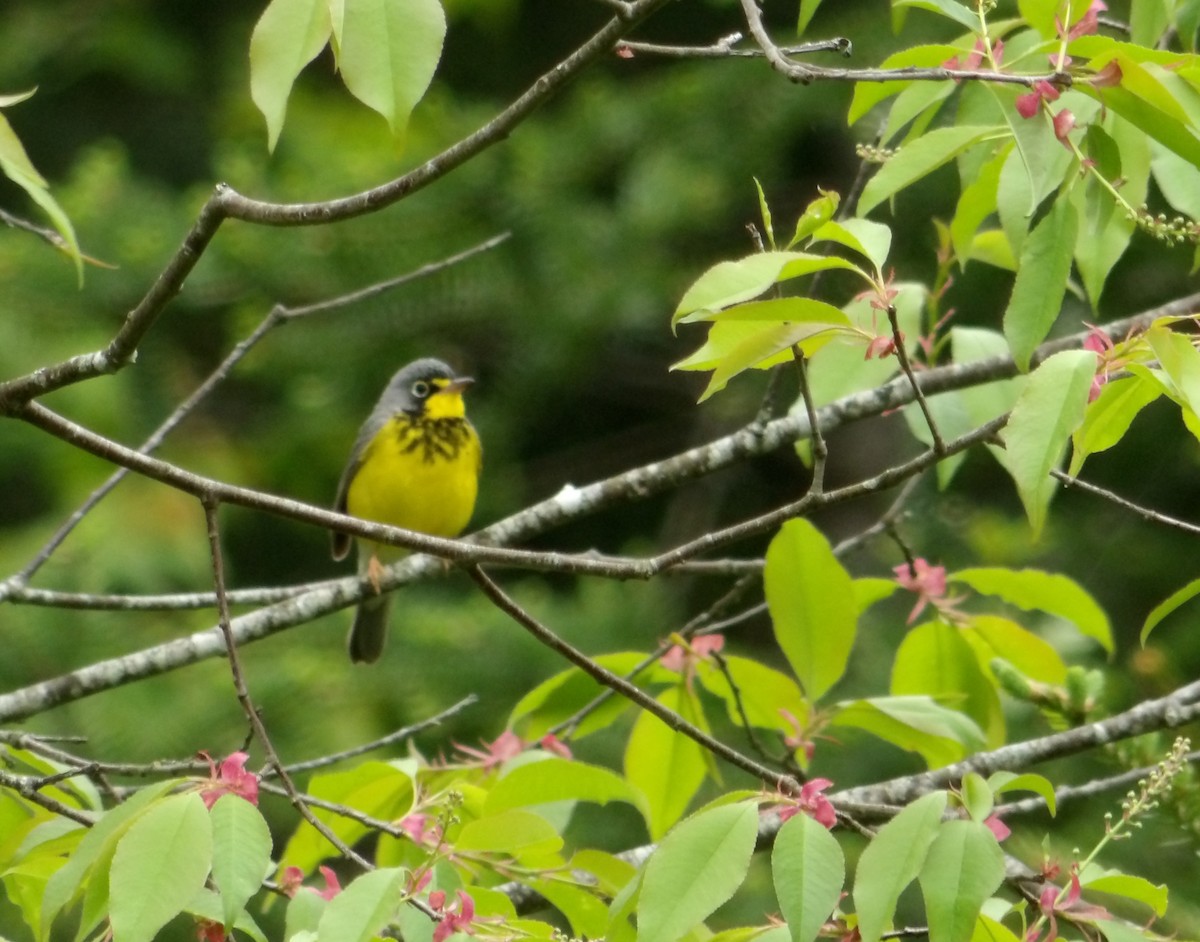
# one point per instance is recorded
(369, 631)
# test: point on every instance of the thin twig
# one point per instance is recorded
(1145, 513)
(673, 720)
(939, 446)
(819, 451)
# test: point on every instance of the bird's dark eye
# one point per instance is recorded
(420, 389)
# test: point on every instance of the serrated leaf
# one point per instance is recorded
(557, 779)
(513, 832)
(1049, 409)
(587, 914)
(994, 637)
(1130, 887)
(389, 52)
(808, 869)
(810, 596)
(729, 283)
(918, 724)
(1002, 782)
(976, 202)
(286, 38)
(1109, 416)
(362, 909)
(1167, 606)
(921, 157)
(159, 866)
(241, 853)
(1045, 264)
(934, 659)
(1033, 589)
(872, 240)
(97, 844)
(666, 766)
(963, 868)
(892, 861)
(697, 867)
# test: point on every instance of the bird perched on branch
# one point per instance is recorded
(415, 464)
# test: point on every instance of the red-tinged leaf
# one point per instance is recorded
(696, 868)
(892, 861)
(813, 610)
(809, 870)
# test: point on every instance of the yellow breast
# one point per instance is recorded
(419, 474)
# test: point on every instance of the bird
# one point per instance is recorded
(415, 464)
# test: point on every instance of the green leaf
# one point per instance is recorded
(950, 9)
(918, 724)
(286, 38)
(389, 52)
(977, 796)
(515, 832)
(587, 914)
(815, 215)
(764, 211)
(557, 779)
(207, 905)
(871, 589)
(96, 845)
(565, 694)
(241, 853)
(1135, 888)
(976, 202)
(1053, 593)
(698, 866)
(1180, 361)
(1002, 782)
(963, 868)
(811, 600)
(1168, 605)
(761, 691)
(872, 240)
(921, 157)
(994, 637)
(808, 9)
(819, 314)
(666, 766)
(1049, 409)
(1041, 282)
(378, 789)
(1109, 416)
(362, 909)
(159, 867)
(304, 911)
(734, 346)
(868, 94)
(892, 861)
(809, 869)
(729, 283)
(935, 659)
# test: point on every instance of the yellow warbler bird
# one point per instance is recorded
(415, 464)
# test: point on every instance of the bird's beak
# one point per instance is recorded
(456, 385)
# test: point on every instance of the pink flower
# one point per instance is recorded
(422, 829)
(997, 827)
(1027, 104)
(230, 779)
(1064, 121)
(929, 582)
(507, 745)
(555, 746)
(975, 57)
(1100, 344)
(682, 660)
(452, 921)
(1109, 76)
(292, 882)
(1086, 24)
(1049, 904)
(798, 739)
(209, 931)
(812, 803)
